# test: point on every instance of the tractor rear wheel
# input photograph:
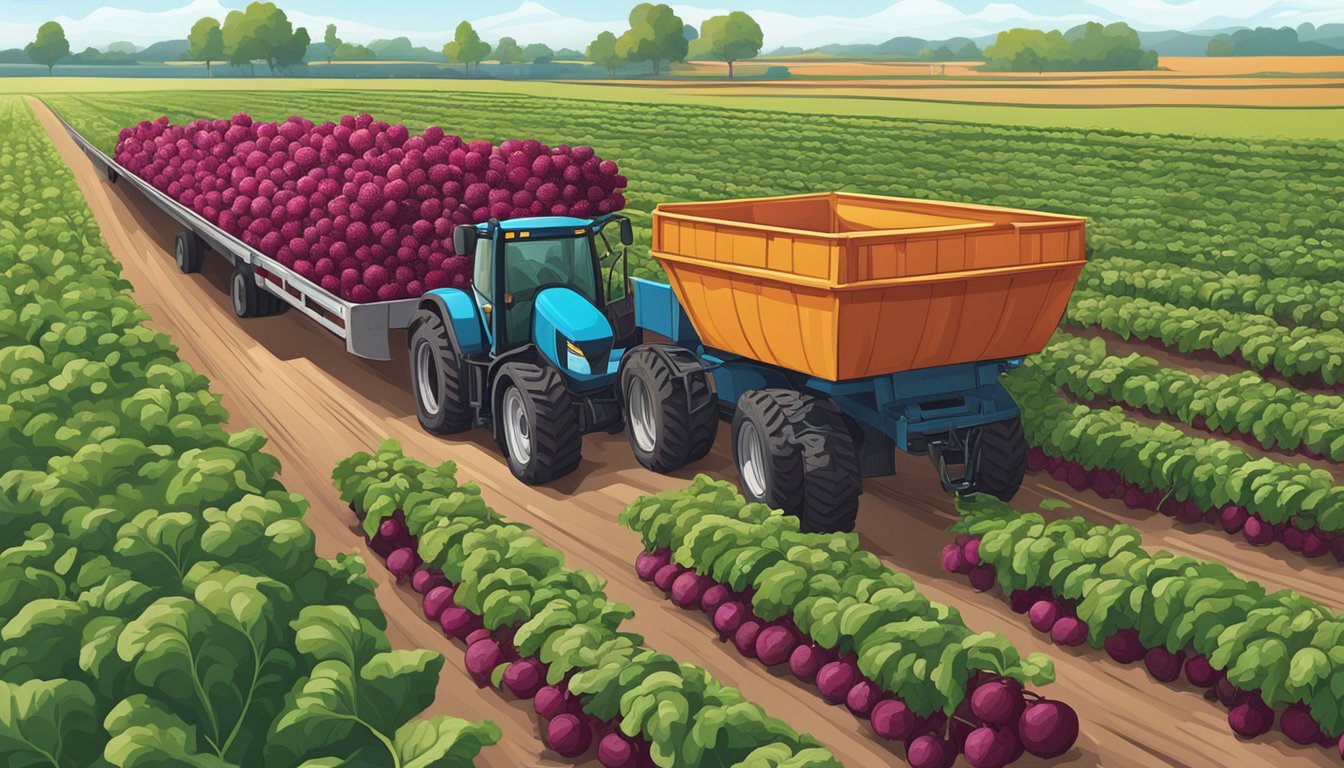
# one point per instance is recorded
(795, 453)
(538, 423)
(1001, 459)
(670, 414)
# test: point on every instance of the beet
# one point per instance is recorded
(983, 577)
(1257, 532)
(1250, 719)
(549, 701)
(729, 617)
(665, 576)
(930, 752)
(835, 679)
(425, 579)
(1069, 631)
(1163, 665)
(568, 735)
(1048, 728)
(774, 645)
(1044, 614)
(744, 639)
(524, 678)
(716, 595)
(805, 661)
(648, 563)
(998, 703)
(1199, 672)
(477, 635)
(1124, 646)
(1294, 538)
(988, 747)
(615, 751)
(458, 622)
(1021, 600)
(862, 697)
(482, 658)
(687, 588)
(1234, 518)
(892, 720)
(1297, 724)
(952, 560)
(1314, 545)
(436, 601)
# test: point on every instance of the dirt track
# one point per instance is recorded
(319, 404)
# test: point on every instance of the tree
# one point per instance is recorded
(655, 36)
(49, 47)
(969, 51)
(1087, 47)
(538, 53)
(353, 52)
(206, 42)
(1220, 45)
(732, 38)
(332, 42)
(508, 51)
(466, 47)
(925, 54)
(690, 32)
(603, 51)
(263, 32)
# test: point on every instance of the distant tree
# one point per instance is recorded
(732, 38)
(205, 42)
(567, 54)
(1220, 45)
(925, 54)
(655, 36)
(969, 51)
(353, 52)
(538, 53)
(466, 47)
(1087, 47)
(122, 46)
(49, 47)
(262, 32)
(603, 51)
(332, 42)
(508, 51)
(689, 32)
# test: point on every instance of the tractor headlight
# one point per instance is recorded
(573, 348)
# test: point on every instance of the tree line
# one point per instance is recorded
(1086, 47)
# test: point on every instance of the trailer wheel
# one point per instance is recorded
(1001, 455)
(188, 252)
(111, 174)
(794, 452)
(670, 411)
(539, 425)
(244, 292)
(438, 381)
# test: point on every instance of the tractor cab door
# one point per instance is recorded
(530, 266)
(483, 287)
(620, 297)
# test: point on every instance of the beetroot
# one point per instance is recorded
(1124, 646)
(983, 577)
(1069, 631)
(774, 645)
(1257, 532)
(436, 601)
(458, 622)
(998, 702)
(1250, 718)
(424, 580)
(970, 552)
(477, 635)
(1163, 665)
(1021, 600)
(687, 588)
(1048, 728)
(1044, 614)
(549, 701)
(952, 560)
(744, 639)
(862, 697)
(482, 658)
(930, 752)
(1199, 672)
(1297, 724)
(524, 678)
(835, 679)
(1234, 518)
(1315, 545)
(729, 617)
(665, 576)
(713, 597)
(648, 563)
(988, 747)
(892, 719)
(615, 751)
(805, 661)
(568, 735)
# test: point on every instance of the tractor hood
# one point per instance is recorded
(573, 334)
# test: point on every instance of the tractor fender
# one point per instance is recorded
(459, 315)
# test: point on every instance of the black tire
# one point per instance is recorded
(671, 416)
(111, 174)
(553, 444)
(438, 377)
(188, 252)
(244, 293)
(1001, 452)
(810, 465)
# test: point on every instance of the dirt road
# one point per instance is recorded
(319, 404)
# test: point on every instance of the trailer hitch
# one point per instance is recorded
(956, 450)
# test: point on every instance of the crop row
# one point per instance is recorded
(1290, 301)
(1261, 654)
(1163, 468)
(1258, 207)
(840, 619)
(162, 600)
(1242, 405)
(1255, 340)
(548, 633)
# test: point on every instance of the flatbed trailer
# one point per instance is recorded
(260, 284)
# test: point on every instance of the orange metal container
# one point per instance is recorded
(843, 286)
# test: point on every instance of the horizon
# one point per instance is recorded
(571, 23)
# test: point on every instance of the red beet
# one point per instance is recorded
(477, 635)
(892, 720)
(988, 747)
(1251, 718)
(952, 560)
(835, 679)
(436, 601)
(862, 697)
(1124, 646)
(1314, 545)
(549, 702)
(805, 661)
(715, 596)
(1294, 538)
(458, 622)
(687, 588)
(998, 702)
(1297, 724)
(648, 563)
(568, 735)
(425, 579)
(774, 645)
(1021, 600)
(1234, 518)
(729, 617)
(744, 639)
(1069, 631)
(970, 552)
(983, 577)
(667, 575)
(1199, 672)
(615, 751)
(930, 752)
(1257, 532)
(482, 658)
(524, 678)
(1044, 614)
(1163, 665)
(1048, 728)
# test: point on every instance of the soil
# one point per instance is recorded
(295, 381)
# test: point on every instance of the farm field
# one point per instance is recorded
(1167, 203)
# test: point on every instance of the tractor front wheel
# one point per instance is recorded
(538, 423)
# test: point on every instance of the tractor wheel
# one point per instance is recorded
(670, 413)
(795, 453)
(1001, 457)
(438, 377)
(188, 252)
(538, 423)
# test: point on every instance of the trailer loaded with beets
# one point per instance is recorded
(833, 330)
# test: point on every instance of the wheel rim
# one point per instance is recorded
(180, 253)
(517, 428)
(642, 425)
(751, 459)
(427, 378)
(239, 286)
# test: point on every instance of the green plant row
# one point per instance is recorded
(1262, 343)
(1283, 645)
(1276, 416)
(562, 617)
(161, 602)
(1211, 473)
(1288, 300)
(1254, 206)
(841, 596)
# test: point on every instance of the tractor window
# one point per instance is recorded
(531, 265)
(484, 263)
